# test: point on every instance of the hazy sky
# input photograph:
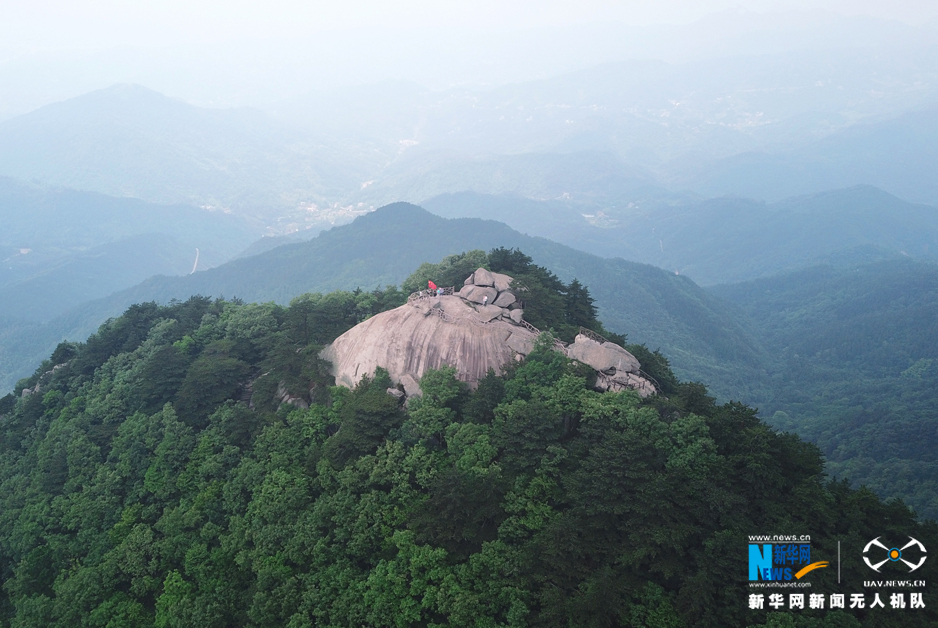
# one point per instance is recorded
(240, 52)
(31, 24)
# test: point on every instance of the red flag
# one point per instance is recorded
(432, 285)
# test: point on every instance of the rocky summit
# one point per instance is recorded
(478, 328)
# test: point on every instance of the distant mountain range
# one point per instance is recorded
(724, 240)
(589, 178)
(61, 247)
(898, 155)
(646, 111)
(631, 132)
(805, 346)
(381, 248)
(131, 141)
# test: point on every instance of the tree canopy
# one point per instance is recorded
(191, 465)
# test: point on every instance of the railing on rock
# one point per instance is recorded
(654, 382)
(426, 294)
(559, 344)
(592, 335)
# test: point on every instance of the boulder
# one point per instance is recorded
(626, 381)
(468, 281)
(411, 387)
(406, 343)
(504, 299)
(283, 396)
(477, 294)
(482, 277)
(516, 315)
(602, 357)
(522, 343)
(502, 282)
(489, 312)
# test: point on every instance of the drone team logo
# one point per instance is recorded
(913, 550)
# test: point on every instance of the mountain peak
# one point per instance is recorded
(475, 329)
(120, 99)
(397, 212)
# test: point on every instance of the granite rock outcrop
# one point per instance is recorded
(427, 334)
(478, 328)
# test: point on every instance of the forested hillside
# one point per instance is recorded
(60, 247)
(190, 465)
(778, 344)
(856, 370)
(703, 339)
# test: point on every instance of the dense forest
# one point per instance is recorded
(192, 465)
(856, 348)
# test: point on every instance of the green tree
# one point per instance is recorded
(215, 376)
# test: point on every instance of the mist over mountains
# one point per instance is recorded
(61, 247)
(764, 126)
(196, 201)
(727, 239)
(896, 155)
(715, 167)
(130, 141)
(263, 70)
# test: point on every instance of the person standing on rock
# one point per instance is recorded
(485, 300)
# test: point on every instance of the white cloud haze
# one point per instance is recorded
(236, 52)
(26, 24)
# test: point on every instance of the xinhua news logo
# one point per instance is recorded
(779, 559)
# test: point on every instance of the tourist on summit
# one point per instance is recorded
(439, 292)
(485, 300)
